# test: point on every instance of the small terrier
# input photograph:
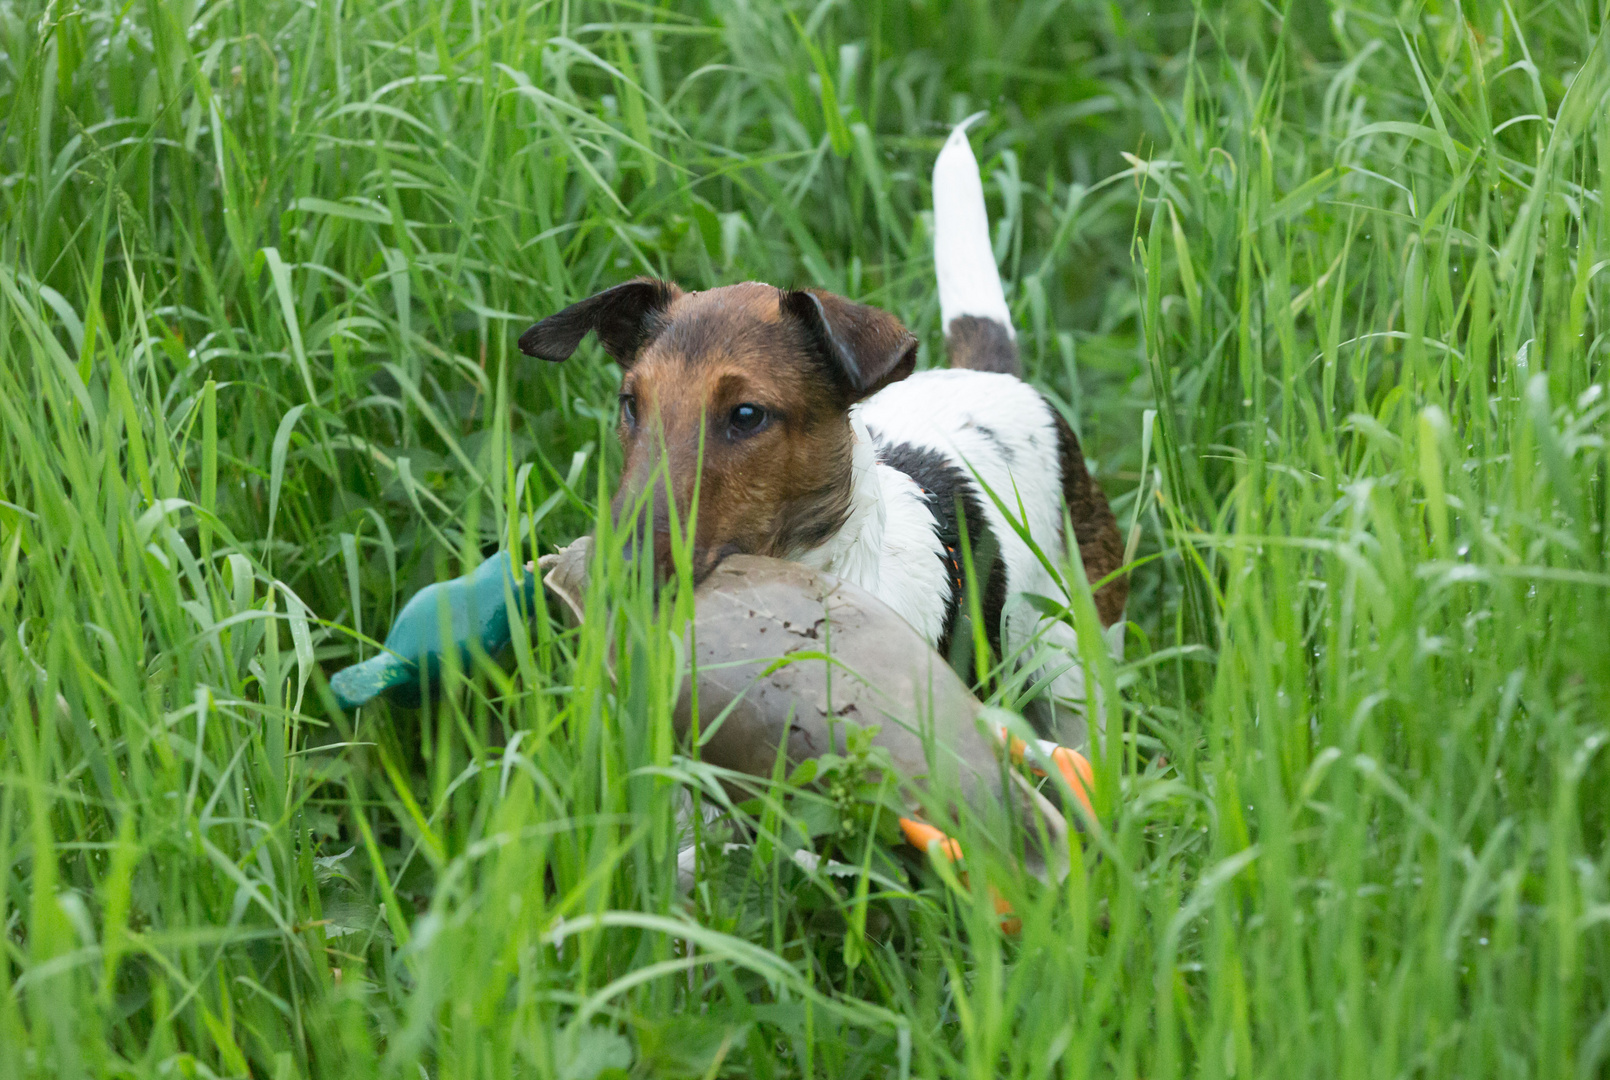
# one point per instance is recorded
(820, 445)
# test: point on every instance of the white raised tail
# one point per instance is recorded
(964, 261)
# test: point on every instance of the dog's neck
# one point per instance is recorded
(854, 550)
(887, 544)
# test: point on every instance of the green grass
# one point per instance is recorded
(261, 268)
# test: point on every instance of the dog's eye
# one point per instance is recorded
(746, 419)
(629, 409)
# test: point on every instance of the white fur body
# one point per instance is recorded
(998, 431)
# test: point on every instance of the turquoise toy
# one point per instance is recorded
(478, 613)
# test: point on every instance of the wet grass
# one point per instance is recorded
(1324, 291)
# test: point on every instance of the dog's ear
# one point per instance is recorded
(866, 349)
(624, 318)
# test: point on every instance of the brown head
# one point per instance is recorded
(757, 380)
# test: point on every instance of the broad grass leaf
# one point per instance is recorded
(276, 461)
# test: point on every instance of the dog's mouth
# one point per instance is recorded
(704, 558)
(715, 558)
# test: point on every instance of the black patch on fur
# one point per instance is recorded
(954, 502)
(980, 344)
(694, 337)
(699, 335)
(993, 437)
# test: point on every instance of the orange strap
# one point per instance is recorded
(920, 834)
(1074, 766)
(1075, 769)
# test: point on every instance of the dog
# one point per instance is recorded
(796, 415)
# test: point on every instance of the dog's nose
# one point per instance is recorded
(633, 523)
(664, 566)
(638, 544)
(629, 549)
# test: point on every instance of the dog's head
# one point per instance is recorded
(754, 382)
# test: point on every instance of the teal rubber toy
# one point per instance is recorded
(478, 614)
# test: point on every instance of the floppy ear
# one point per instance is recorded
(624, 318)
(867, 349)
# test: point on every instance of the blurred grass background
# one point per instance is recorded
(1323, 287)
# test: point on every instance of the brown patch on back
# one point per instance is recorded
(980, 344)
(1101, 545)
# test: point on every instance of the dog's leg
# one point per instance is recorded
(972, 304)
(1064, 712)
